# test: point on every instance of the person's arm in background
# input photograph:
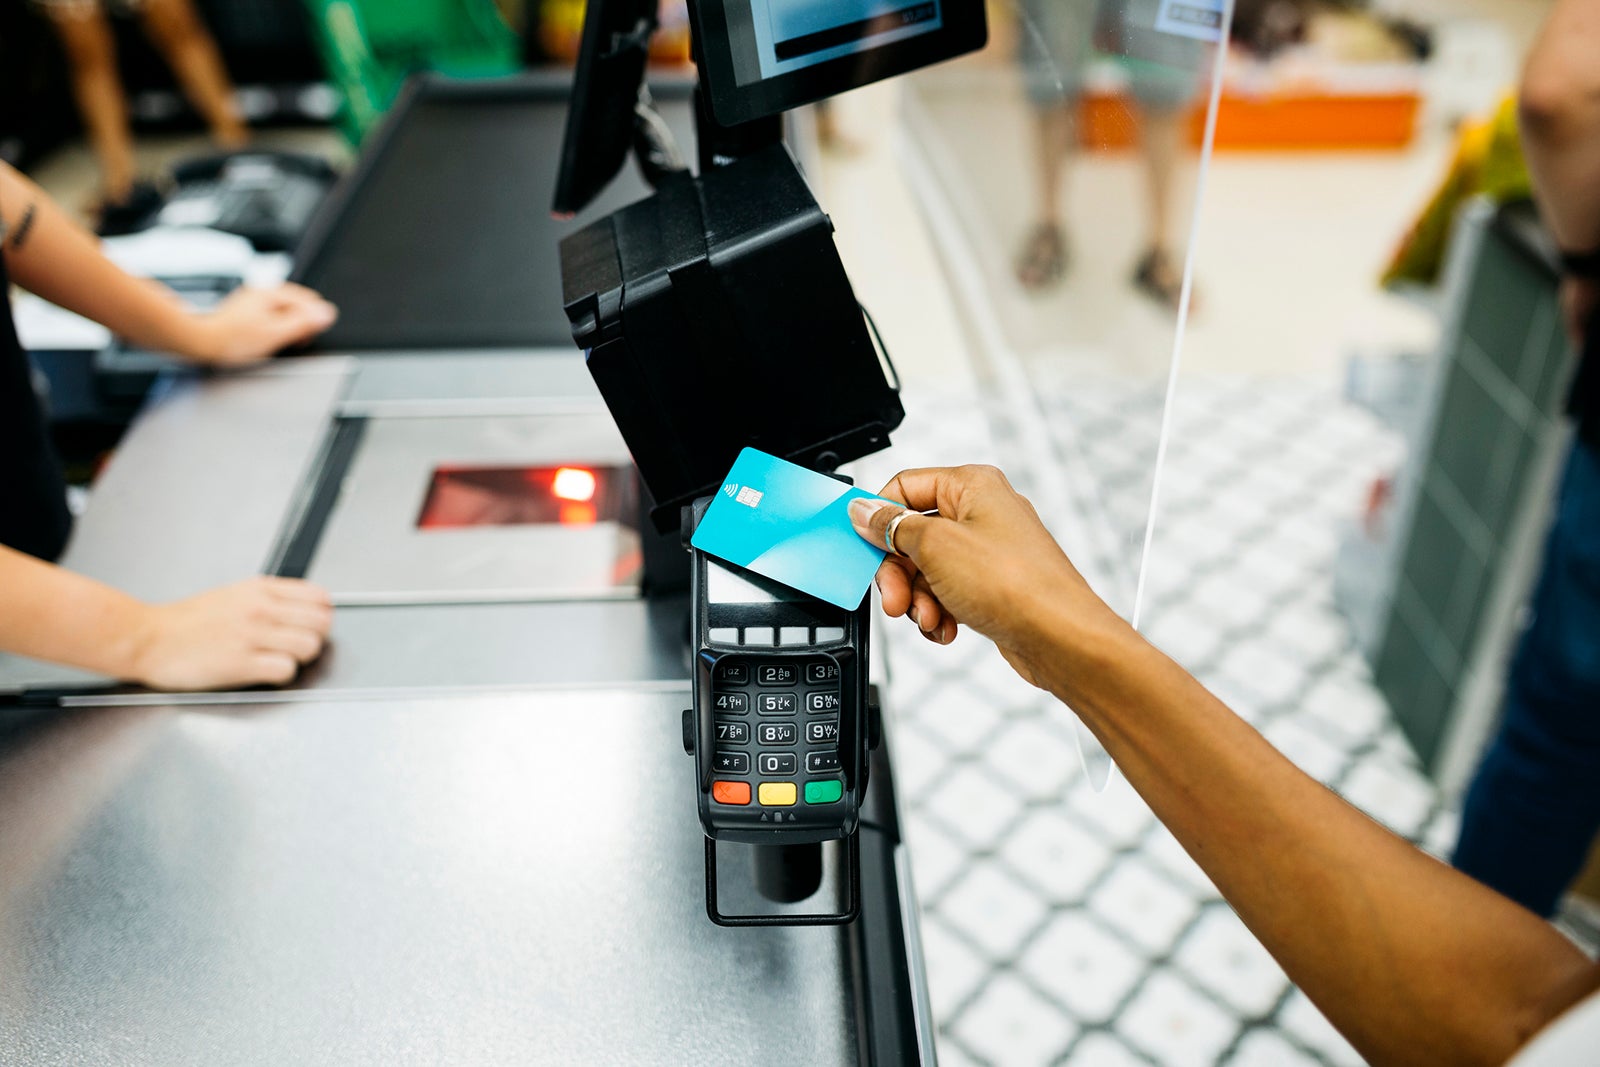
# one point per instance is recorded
(254, 632)
(1559, 113)
(1414, 962)
(53, 257)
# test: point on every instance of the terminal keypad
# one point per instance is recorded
(784, 757)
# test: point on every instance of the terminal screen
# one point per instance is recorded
(725, 586)
(783, 36)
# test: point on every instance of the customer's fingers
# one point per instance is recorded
(871, 518)
(926, 611)
(941, 489)
(894, 584)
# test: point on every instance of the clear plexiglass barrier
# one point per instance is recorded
(1055, 176)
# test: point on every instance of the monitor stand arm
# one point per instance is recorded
(720, 145)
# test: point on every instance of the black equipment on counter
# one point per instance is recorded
(780, 732)
(715, 315)
(267, 198)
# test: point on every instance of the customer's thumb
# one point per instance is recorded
(871, 518)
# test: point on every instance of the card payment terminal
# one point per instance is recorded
(781, 723)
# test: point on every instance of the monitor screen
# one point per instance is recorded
(776, 37)
(763, 57)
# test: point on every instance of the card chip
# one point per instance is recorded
(749, 497)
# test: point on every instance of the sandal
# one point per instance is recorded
(1043, 259)
(1156, 278)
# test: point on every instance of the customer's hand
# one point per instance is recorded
(255, 632)
(984, 559)
(251, 325)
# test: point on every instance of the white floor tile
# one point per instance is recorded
(1038, 757)
(1347, 706)
(1148, 909)
(1267, 1048)
(1058, 858)
(1082, 966)
(1262, 668)
(918, 760)
(1175, 1025)
(1310, 635)
(972, 804)
(993, 910)
(1222, 598)
(1118, 815)
(936, 858)
(960, 714)
(954, 970)
(1103, 1050)
(1010, 1024)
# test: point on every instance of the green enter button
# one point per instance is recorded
(823, 792)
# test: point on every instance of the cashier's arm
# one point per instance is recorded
(50, 255)
(1411, 960)
(256, 632)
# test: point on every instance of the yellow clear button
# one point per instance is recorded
(776, 794)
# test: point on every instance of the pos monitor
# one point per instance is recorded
(716, 314)
(763, 57)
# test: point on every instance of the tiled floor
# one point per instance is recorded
(1062, 925)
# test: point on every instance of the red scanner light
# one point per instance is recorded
(574, 483)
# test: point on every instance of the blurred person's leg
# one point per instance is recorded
(1042, 259)
(86, 38)
(1533, 809)
(1159, 272)
(174, 27)
(1051, 49)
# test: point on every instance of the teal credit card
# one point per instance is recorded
(790, 524)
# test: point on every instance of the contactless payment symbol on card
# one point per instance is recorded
(792, 525)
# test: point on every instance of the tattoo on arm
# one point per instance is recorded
(20, 234)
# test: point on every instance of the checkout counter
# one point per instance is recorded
(467, 833)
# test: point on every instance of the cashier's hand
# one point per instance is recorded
(255, 632)
(984, 559)
(251, 325)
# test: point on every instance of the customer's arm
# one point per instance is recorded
(50, 255)
(1559, 104)
(1411, 960)
(251, 633)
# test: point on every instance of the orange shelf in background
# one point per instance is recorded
(1278, 122)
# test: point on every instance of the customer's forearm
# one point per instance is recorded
(51, 256)
(1560, 119)
(1413, 961)
(50, 613)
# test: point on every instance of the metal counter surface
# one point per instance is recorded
(485, 879)
(196, 494)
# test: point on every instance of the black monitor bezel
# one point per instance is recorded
(606, 84)
(965, 30)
